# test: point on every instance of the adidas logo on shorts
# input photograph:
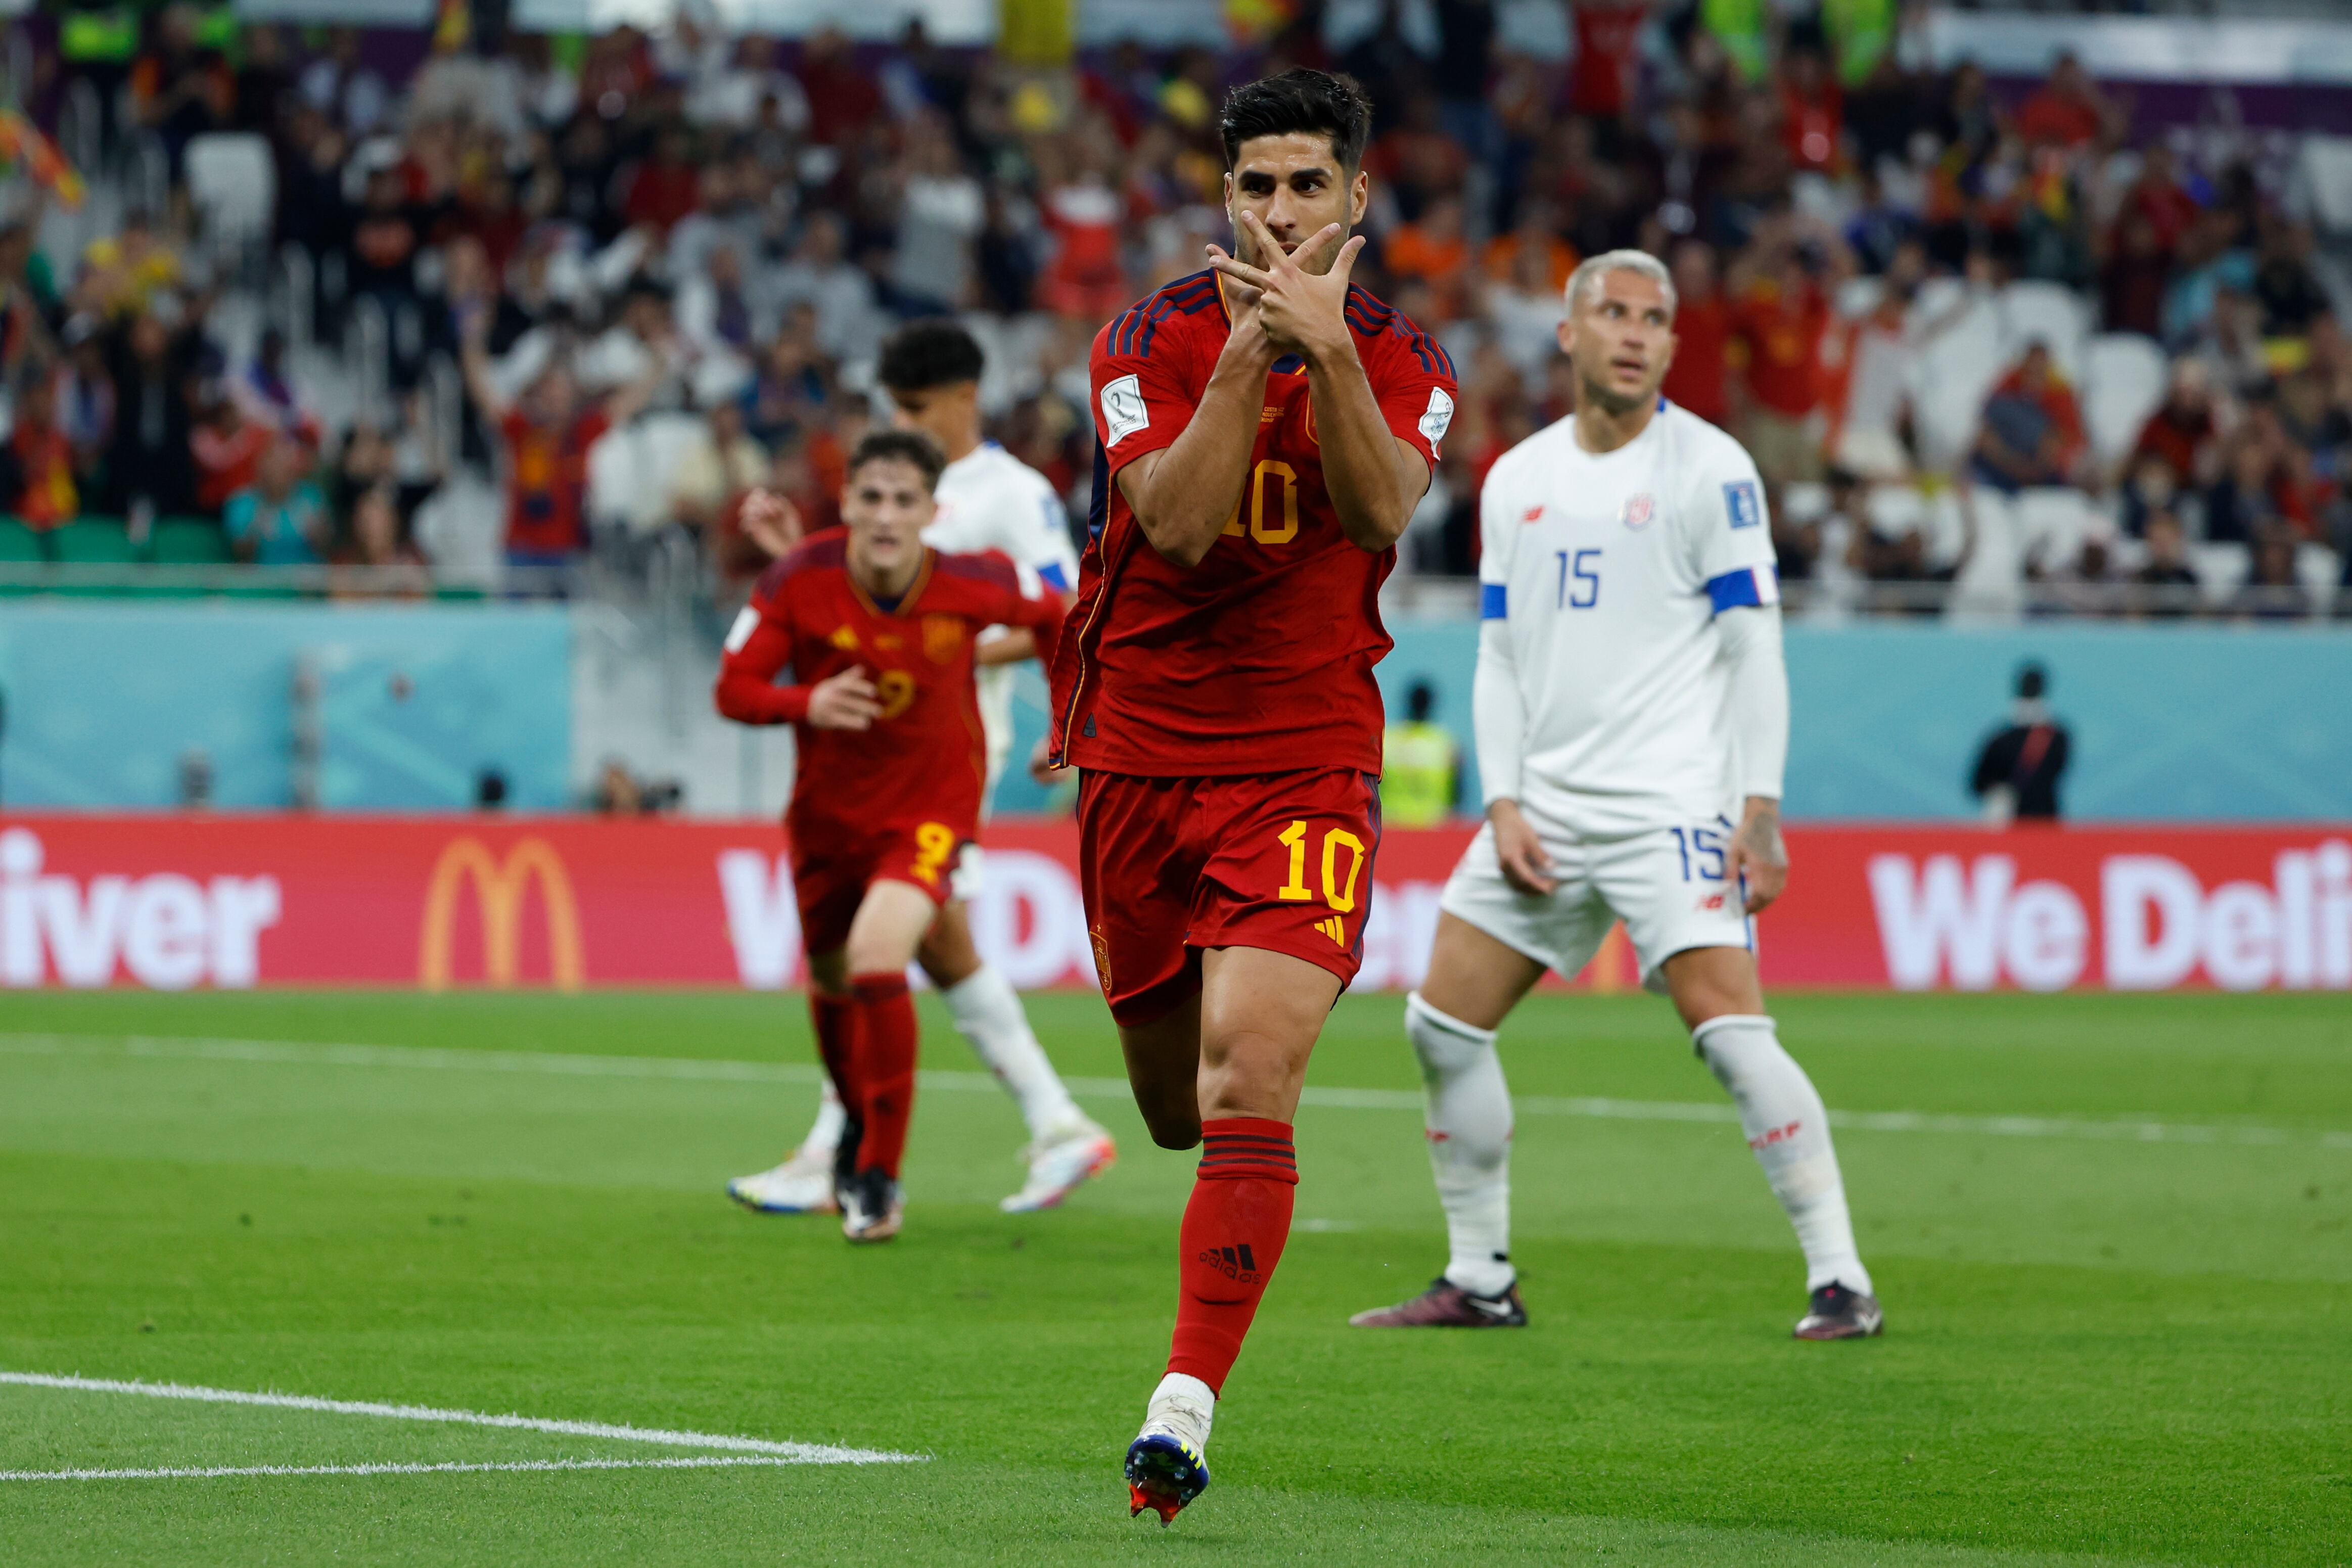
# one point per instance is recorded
(1335, 929)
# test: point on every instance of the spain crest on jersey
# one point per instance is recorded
(942, 637)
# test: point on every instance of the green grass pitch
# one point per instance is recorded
(2105, 1344)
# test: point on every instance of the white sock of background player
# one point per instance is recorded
(1788, 1128)
(1466, 1109)
(987, 1011)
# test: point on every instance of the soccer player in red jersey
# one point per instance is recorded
(1264, 430)
(879, 631)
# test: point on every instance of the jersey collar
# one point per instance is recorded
(905, 600)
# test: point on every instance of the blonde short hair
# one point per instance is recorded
(1581, 281)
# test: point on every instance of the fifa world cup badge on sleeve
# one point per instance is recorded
(1438, 417)
(1123, 410)
(1740, 496)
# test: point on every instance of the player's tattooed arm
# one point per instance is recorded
(1183, 493)
(1526, 864)
(1375, 479)
(1759, 855)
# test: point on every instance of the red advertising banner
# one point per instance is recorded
(173, 901)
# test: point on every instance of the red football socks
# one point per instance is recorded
(885, 1069)
(835, 1019)
(1234, 1227)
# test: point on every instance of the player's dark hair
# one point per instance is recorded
(899, 446)
(1311, 103)
(924, 354)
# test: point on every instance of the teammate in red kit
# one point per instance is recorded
(879, 631)
(1264, 430)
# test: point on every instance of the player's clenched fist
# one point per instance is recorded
(1301, 307)
(843, 701)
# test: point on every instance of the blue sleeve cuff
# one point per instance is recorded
(1757, 586)
(1051, 575)
(1492, 604)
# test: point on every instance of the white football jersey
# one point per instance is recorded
(989, 499)
(1609, 570)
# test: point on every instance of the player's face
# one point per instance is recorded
(942, 413)
(1295, 186)
(885, 507)
(1620, 339)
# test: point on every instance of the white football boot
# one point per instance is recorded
(802, 1184)
(1056, 1166)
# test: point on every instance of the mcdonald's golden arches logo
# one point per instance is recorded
(498, 895)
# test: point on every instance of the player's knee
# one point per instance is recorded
(1740, 1047)
(1445, 1044)
(1172, 1127)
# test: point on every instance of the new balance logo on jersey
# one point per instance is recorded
(1533, 514)
(1335, 929)
(1711, 901)
(1234, 1262)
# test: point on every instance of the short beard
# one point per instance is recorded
(1616, 405)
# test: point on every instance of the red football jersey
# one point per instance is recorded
(1260, 659)
(924, 760)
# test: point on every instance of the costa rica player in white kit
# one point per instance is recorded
(987, 500)
(1631, 704)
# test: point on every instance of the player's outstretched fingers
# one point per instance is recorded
(1313, 246)
(1240, 271)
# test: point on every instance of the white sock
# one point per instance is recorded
(825, 1132)
(1467, 1115)
(1788, 1128)
(987, 1013)
(1183, 1406)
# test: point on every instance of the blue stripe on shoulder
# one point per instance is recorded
(1494, 601)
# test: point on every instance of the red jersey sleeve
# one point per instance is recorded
(1411, 375)
(1144, 379)
(759, 646)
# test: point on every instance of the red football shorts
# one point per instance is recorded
(830, 879)
(1278, 861)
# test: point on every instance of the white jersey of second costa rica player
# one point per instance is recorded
(1609, 570)
(989, 499)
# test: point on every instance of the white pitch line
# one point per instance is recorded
(706, 1070)
(207, 1472)
(784, 1452)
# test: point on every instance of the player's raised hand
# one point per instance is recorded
(844, 702)
(1300, 307)
(771, 521)
(1527, 866)
(1758, 858)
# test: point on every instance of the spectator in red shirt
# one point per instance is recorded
(666, 186)
(1778, 325)
(2180, 433)
(1698, 379)
(841, 97)
(2032, 429)
(1812, 110)
(1608, 43)
(2068, 109)
(547, 433)
(2158, 197)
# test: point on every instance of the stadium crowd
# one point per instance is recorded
(2025, 344)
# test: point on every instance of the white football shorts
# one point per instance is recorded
(1667, 884)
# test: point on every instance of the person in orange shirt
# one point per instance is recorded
(1434, 249)
(1539, 229)
(37, 469)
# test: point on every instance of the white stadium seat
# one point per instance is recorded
(2221, 569)
(232, 180)
(2051, 524)
(2123, 381)
(2033, 311)
(1950, 380)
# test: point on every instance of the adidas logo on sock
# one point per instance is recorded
(1234, 1262)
